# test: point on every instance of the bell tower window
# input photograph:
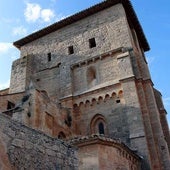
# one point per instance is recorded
(98, 125)
(49, 57)
(101, 128)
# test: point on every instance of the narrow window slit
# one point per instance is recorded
(49, 56)
(92, 42)
(70, 50)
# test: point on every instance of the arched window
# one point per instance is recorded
(101, 128)
(98, 125)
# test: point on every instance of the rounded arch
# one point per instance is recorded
(98, 124)
(81, 104)
(100, 99)
(75, 105)
(93, 101)
(107, 97)
(114, 95)
(87, 103)
(120, 94)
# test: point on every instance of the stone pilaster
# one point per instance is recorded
(133, 112)
(160, 143)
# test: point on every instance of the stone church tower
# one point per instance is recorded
(87, 75)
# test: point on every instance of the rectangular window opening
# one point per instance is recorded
(49, 56)
(92, 42)
(70, 50)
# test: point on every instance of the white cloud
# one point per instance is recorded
(47, 14)
(34, 12)
(4, 85)
(19, 31)
(5, 47)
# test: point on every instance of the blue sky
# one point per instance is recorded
(19, 18)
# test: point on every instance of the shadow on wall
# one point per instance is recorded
(113, 118)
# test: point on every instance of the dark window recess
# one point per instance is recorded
(101, 128)
(10, 105)
(29, 114)
(37, 79)
(70, 50)
(92, 42)
(61, 135)
(118, 101)
(49, 56)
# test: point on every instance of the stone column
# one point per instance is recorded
(153, 155)
(160, 143)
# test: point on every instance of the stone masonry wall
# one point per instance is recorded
(24, 148)
(18, 73)
(123, 118)
(106, 154)
(135, 118)
(14, 98)
(37, 111)
(95, 74)
(113, 158)
(108, 27)
(162, 114)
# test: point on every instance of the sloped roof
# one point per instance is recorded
(80, 141)
(85, 13)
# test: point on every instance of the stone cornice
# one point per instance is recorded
(131, 15)
(10, 94)
(91, 91)
(93, 139)
(98, 57)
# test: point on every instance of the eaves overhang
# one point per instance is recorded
(85, 13)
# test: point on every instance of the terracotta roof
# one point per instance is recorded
(80, 141)
(85, 13)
